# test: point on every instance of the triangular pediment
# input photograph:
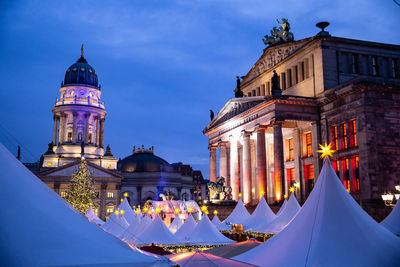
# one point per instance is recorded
(69, 169)
(274, 55)
(234, 107)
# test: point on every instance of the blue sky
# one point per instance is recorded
(162, 64)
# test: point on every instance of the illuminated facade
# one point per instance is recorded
(332, 89)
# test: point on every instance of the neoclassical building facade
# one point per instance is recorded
(331, 89)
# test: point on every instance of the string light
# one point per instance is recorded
(215, 212)
(116, 212)
(285, 196)
(122, 212)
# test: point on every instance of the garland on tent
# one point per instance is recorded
(247, 235)
(81, 193)
(186, 248)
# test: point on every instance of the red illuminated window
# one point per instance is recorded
(346, 173)
(291, 149)
(309, 171)
(334, 138)
(353, 133)
(336, 167)
(290, 174)
(343, 136)
(355, 174)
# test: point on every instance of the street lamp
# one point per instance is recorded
(389, 197)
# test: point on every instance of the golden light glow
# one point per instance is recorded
(215, 212)
(122, 212)
(157, 210)
(149, 212)
(125, 194)
(204, 208)
(296, 185)
(176, 211)
(291, 189)
(145, 209)
(116, 212)
(190, 209)
(90, 204)
(240, 195)
(122, 199)
(285, 196)
(326, 150)
(137, 211)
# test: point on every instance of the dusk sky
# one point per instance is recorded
(161, 64)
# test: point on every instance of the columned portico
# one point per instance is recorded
(278, 161)
(213, 163)
(261, 163)
(223, 161)
(247, 197)
(234, 164)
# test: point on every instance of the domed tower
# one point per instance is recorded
(79, 117)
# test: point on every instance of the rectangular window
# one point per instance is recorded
(63, 194)
(309, 177)
(308, 145)
(290, 174)
(374, 65)
(334, 138)
(296, 74)
(343, 136)
(336, 167)
(354, 63)
(249, 94)
(90, 138)
(353, 133)
(110, 194)
(283, 76)
(355, 174)
(290, 80)
(290, 149)
(254, 93)
(395, 68)
(263, 89)
(69, 137)
(268, 89)
(258, 91)
(302, 71)
(346, 173)
(110, 209)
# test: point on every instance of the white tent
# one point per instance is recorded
(132, 227)
(186, 229)
(261, 217)
(330, 230)
(239, 214)
(206, 233)
(222, 226)
(117, 225)
(144, 223)
(158, 233)
(392, 221)
(93, 217)
(40, 229)
(175, 225)
(282, 207)
(290, 211)
(129, 213)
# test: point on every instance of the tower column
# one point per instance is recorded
(74, 130)
(247, 196)
(223, 162)
(102, 132)
(97, 131)
(278, 161)
(61, 129)
(234, 166)
(55, 119)
(261, 164)
(85, 139)
(213, 163)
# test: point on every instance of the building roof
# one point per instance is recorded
(143, 160)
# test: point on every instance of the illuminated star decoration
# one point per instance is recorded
(291, 189)
(326, 151)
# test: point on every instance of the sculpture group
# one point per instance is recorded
(279, 35)
(218, 191)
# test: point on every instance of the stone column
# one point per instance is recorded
(139, 195)
(85, 139)
(234, 165)
(278, 161)
(223, 162)
(97, 131)
(261, 163)
(213, 163)
(102, 132)
(55, 119)
(74, 130)
(247, 197)
(61, 129)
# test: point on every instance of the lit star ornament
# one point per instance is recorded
(326, 151)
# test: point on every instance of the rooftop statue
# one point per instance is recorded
(279, 35)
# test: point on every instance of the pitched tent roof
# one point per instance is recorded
(175, 225)
(232, 250)
(129, 214)
(330, 230)
(261, 217)
(206, 233)
(239, 214)
(132, 227)
(156, 233)
(55, 234)
(116, 226)
(93, 217)
(290, 211)
(200, 258)
(392, 221)
(186, 229)
(144, 223)
(222, 226)
(282, 207)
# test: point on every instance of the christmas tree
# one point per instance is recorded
(81, 190)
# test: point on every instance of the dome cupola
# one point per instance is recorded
(81, 73)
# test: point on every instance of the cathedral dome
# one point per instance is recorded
(81, 73)
(144, 160)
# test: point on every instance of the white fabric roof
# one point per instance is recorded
(392, 221)
(132, 227)
(206, 233)
(330, 230)
(93, 217)
(261, 217)
(39, 228)
(175, 225)
(129, 214)
(116, 226)
(290, 211)
(186, 229)
(158, 233)
(239, 214)
(282, 207)
(144, 223)
(220, 225)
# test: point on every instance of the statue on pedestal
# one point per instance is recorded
(218, 191)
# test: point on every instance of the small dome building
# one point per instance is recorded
(149, 177)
